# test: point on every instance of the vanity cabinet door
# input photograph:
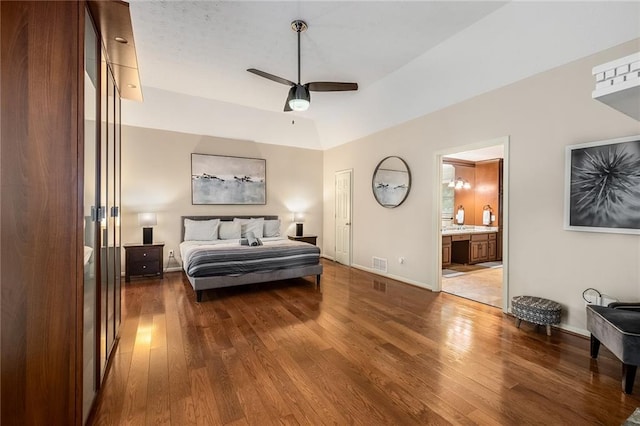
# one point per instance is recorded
(492, 248)
(479, 248)
(478, 251)
(446, 251)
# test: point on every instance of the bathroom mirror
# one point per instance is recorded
(391, 182)
(448, 194)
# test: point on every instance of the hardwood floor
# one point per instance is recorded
(367, 350)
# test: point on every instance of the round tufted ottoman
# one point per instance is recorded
(536, 310)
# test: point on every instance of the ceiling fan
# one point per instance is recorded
(299, 98)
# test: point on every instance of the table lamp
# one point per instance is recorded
(298, 218)
(147, 221)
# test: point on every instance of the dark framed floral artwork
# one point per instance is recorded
(602, 189)
(219, 179)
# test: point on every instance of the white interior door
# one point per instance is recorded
(343, 217)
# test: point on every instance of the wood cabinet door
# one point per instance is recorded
(476, 252)
(493, 250)
(479, 250)
(446, 254)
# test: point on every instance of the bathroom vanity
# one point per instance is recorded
(469, 245)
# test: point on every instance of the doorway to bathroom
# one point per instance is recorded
(473, 217)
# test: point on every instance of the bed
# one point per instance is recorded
(213, 257)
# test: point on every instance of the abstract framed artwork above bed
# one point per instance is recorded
(213, 255)
(218, 179)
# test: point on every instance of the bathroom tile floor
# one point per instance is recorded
(484, 286)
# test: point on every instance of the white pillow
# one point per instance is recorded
(272, 228)
(201, 230)
(254, 225)
(229, 230)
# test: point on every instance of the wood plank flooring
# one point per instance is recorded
(365, 350)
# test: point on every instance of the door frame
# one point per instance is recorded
(437, 222)
(335, 230)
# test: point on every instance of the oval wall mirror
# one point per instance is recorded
(391, 182)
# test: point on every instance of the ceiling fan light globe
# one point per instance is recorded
(299, 104)
(299, 98)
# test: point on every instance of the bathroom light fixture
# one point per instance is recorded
(147, 221)
(459, 184)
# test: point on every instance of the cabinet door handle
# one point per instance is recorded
(144, 266)
(144, 254)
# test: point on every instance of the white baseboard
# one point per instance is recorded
(575, 330)
(569, 329)
(394, 277)
(173, 269)
(327, 257)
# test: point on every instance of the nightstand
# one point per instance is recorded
(143, 260)
(311, 239)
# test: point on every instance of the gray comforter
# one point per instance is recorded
(208, 261)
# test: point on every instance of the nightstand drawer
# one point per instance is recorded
(146, 254)
(144, 268)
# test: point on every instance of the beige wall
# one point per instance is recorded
(541, 115)
(156, 177)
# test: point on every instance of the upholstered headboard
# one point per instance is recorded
(222, 218)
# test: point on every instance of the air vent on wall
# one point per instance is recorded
(379, 264)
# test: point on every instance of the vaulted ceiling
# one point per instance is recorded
(408, 57)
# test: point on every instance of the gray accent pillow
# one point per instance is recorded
(271, 228)
(229, 230)
(254, 225)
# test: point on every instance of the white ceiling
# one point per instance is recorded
(408, 57)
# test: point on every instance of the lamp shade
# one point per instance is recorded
(147, 219)
(298, 217)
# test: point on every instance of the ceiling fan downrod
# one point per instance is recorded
(299, 26)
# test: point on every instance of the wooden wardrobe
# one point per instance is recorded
(62, 75)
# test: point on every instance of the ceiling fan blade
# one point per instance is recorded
(287, 108)
(329, 86)
(271, 77)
